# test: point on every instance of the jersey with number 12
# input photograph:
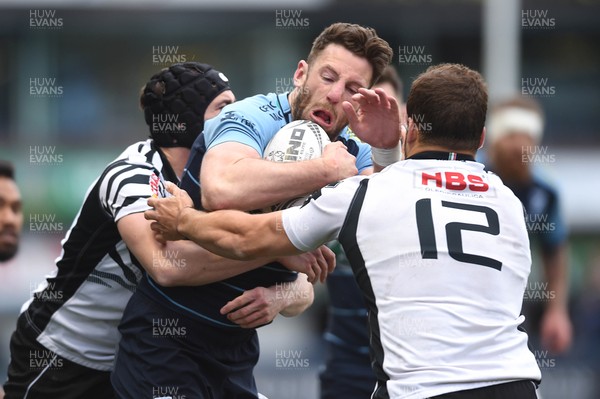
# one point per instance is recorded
(440, 251)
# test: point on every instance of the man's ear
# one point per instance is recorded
(482, 139)
(412, 133)
(301, 73)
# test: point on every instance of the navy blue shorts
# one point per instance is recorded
(164, 354)
(522, 389)
(36, 372)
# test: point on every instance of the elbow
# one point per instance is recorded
(217, 197)
(165, 277)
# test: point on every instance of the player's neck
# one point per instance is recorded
(292, 99)
(177, 157)
(418, 148)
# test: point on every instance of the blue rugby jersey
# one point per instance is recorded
(253, 122)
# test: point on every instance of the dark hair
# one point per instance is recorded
(7, 170)
(390, 75)
(182, 93)
(448, 104)
(360, 41)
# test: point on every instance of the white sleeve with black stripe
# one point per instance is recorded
(125, 189)
(321, 219)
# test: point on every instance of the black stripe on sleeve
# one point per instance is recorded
(109, 184)
(135, 179)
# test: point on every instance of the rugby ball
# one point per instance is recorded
(297, 141)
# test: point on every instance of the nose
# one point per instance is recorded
(335, 93)
(8, 217)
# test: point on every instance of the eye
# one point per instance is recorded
(17, 208)
(353, 90)
(327, 78)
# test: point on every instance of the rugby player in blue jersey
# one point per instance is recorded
(344, 61)
(515, 129)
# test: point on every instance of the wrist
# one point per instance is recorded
(385, 156)
(181, 220)
(329, 171)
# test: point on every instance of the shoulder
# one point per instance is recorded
(252, 121)
(254, 105)
(140, 155)
(140, 163)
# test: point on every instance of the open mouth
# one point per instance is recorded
(322, 117)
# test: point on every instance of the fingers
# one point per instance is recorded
(323, 267)
(350, 113)
(249, 310)
(160, 238)
(152, 202)
(312, 274)
(171, 188)
(368, 97)
(333, 146)
(329, 256)
(151, 214)
(376, 97)
(237, 303)
(320, 263)
(316, 269)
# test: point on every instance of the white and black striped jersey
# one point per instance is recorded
(78, 308)
(440, 251)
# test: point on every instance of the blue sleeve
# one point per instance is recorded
(363, 159)
(557, 233)
(362, 151)
(242, 122)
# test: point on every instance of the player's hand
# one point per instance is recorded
(316, 264)
(166, 213)
(376, 121)
(556, 331)
(338, 161)
(254, 308)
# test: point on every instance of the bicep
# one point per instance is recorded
(215, 173)
(137, 235)
(223, 155)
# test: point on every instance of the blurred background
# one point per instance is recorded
(71, 71)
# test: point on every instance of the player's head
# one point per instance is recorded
(391, 83)
(446, 107)
(177, 100)
(11, 214)
(515, 125)
(343, 58)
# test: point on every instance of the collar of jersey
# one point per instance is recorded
(284, 105)
(442, 155)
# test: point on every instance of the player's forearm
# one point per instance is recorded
(184, 263)
(228, 233)
(556, 273)
(267, 182)
(297, 297)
